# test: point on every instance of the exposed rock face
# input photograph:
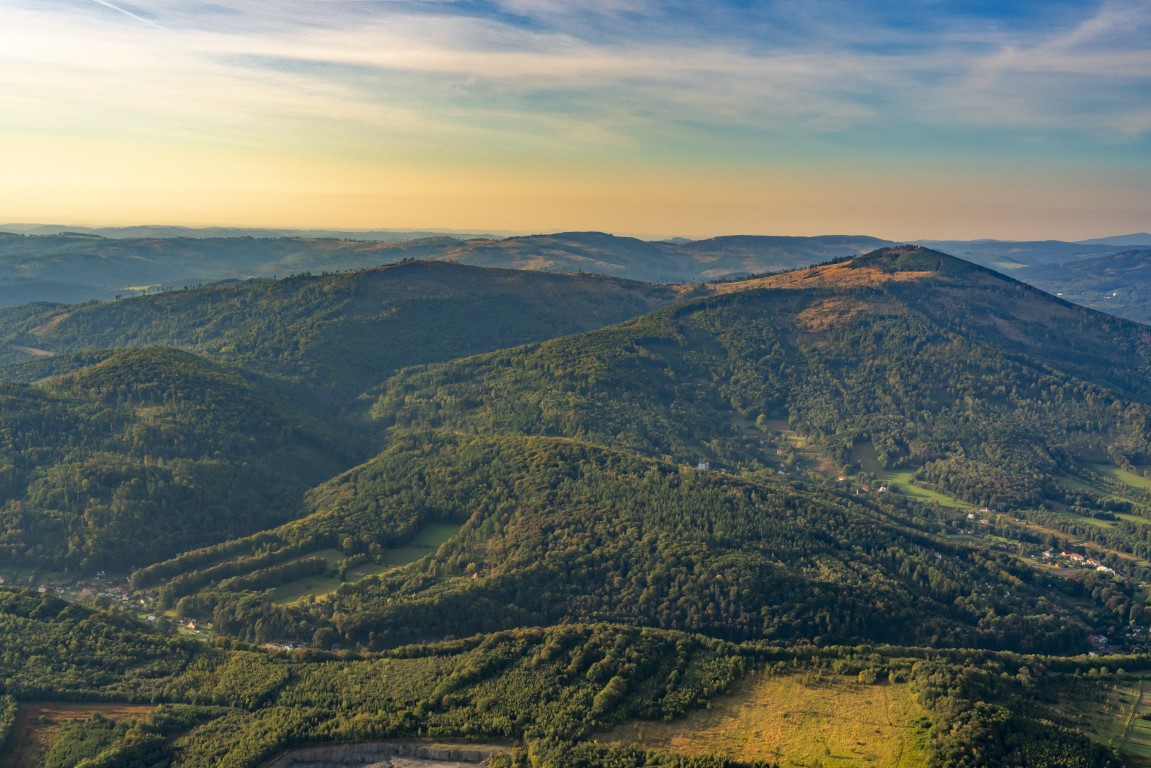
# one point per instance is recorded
(388, 754)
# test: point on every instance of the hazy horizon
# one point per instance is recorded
(941, 120)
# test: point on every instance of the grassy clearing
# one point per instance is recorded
(1126, 477)
(1112, 713)
(426, 542)
(1116, 484)
(902, 481)
(38, 725)
(794, 722)
(863, 455)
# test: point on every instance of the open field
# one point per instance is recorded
(833, 721)
(426, 542)
(863, 455)
(902, 481)
(1113, 713)
(1126, 477)
(37, 725)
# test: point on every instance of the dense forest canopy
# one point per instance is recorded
(445, 502)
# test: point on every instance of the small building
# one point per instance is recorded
(703, 466)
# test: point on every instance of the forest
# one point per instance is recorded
(374, 506)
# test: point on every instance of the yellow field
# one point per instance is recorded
(832, 722)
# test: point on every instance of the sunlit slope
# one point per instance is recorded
(985, 387)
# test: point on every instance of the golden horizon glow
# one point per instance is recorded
(417, 116)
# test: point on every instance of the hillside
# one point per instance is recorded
(148, 453)
(984, 386)
(900, 471)
(342, 331)
(79, 267)
(721, 257)
(1010, 255)
(564, 463)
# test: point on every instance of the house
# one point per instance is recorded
(703, 466)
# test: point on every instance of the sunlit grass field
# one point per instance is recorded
(799, 720)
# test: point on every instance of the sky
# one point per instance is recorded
(920, 119)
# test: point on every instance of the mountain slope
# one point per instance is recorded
(558, 531)
(985, 385)
(564, 463)
(733, 255)
(77, 267)
(148, 453)
(344, 331)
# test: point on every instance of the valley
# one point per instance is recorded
(891, 509)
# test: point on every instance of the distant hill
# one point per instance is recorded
(685, 262)
(342, 331)
(77, 266)
(737, 255)
(1139, 238)
(160, 231)
(1118, 283)
(1008, 256)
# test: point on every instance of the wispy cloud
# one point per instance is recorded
(128, 13)
(768, 66)
(752, 84)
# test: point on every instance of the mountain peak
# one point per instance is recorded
(899, 263)
(913, 258)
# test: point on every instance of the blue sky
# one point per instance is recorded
(918, 119)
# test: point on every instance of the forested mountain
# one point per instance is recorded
(450, 520)
(556, 531)
(78, 267)
(148, 453)
(342, 331)
(985, 386)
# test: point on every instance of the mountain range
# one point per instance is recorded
(73, 265)
(466, 502)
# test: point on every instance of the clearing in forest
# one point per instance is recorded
(38, 724)
(799, 720)
(426, 542)
(1115, 713)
